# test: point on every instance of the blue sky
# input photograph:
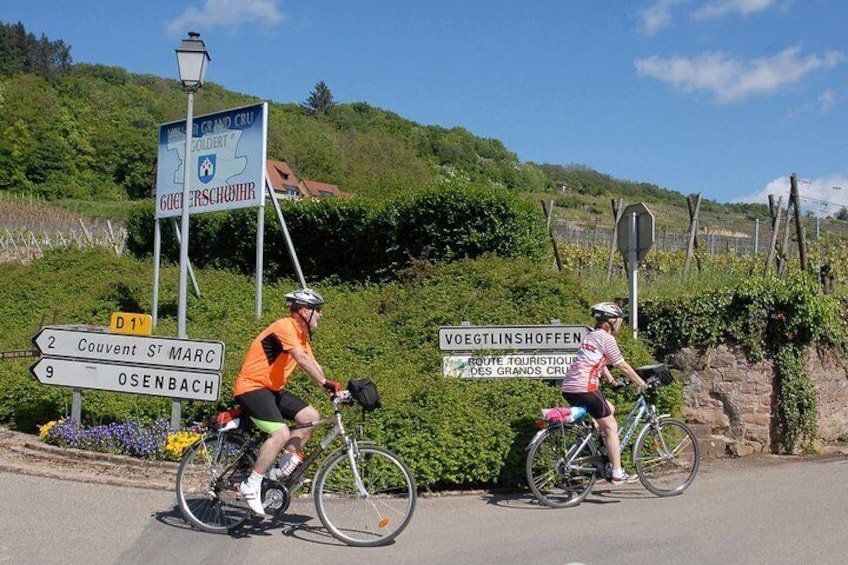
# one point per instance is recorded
(722, 97)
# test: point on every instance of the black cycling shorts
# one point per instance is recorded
(594, 402)
(270, 409)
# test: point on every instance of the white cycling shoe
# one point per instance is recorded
(253, 497)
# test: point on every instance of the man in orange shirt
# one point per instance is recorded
(260, 389)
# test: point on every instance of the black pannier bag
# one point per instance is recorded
(658, 373)
(364, 391)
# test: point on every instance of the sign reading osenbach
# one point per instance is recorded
(535, 352)
(227, 162)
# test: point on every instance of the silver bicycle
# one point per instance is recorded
(565, 459)
(364, 494)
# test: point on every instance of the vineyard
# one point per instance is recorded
(30, 226)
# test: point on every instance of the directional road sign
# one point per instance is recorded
(153, 381)
(56, 341)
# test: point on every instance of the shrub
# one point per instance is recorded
(355, 239)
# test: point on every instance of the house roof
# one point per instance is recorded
(280, 175)
(283, 179)
(315, 188)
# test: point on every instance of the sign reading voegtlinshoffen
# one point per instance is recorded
(530, 352)
(227, 162)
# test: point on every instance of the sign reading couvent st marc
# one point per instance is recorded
(130, 349)
(502, 338)
(158, 366)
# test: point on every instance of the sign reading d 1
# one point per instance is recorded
(134, 324)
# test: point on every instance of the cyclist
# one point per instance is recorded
(260, 389)
(581, 385)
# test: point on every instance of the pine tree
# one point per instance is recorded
(320, 99)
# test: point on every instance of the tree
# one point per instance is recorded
(320, 99)
(20, 51)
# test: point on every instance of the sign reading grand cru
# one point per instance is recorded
(226, 164)
(535, 352)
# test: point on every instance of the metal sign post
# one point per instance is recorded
(635, 239)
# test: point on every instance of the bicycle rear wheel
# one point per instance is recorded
(374, 517)
(666, 457)
(207, 483)
(559, 472)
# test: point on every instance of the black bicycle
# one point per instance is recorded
(565, 459)
(364, 494)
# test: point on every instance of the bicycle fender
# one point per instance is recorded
(537, 437)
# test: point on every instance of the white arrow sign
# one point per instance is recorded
(130, 349)
(154, 381)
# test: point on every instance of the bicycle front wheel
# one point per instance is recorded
(207, 483)
(560, 472)
(666, 456)
(374, 514)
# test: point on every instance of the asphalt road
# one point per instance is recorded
(776, 513)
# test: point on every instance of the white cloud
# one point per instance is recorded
(732, 80)
(823, 196)
(226, 13)
(658, 16)
(827, 100)
(719, 8)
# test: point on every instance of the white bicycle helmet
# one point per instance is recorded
(606, 311)
(304, 298)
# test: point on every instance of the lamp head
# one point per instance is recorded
(192, 60)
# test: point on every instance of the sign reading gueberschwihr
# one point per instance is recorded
(511, 338)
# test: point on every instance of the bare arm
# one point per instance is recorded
(608, 376)
(628, 372)
(309, 365)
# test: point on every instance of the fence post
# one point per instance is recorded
(616, 216)
(693, 230)
(774, 212)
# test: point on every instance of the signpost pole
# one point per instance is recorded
(76, 406)
(632, 260)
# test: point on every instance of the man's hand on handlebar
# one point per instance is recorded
(332, 388)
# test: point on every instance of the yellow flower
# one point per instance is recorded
(44, 431)
(178, 442)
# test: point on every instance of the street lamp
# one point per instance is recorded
(192, 60)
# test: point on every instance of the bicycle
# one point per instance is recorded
(566, 457)
(364, 494)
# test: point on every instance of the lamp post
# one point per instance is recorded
(192, 60)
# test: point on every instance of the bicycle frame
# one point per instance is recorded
(337, 430)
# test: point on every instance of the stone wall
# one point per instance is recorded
(730, 401)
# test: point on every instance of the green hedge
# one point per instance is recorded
(452, 433)
(356, 239)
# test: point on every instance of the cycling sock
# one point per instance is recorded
(618, 473)
(254, 480)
